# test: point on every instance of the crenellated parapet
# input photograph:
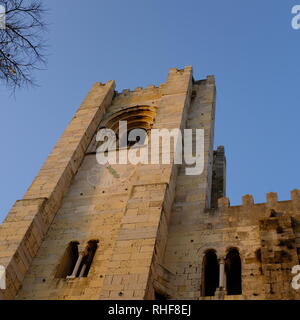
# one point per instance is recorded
(272, 206)
(133, 97)
(138, 91)
(152, 92)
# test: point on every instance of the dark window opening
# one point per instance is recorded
(159, 296)
(75, 264)
(233, 268)
(87, 259)
(210, 273)
(68, 261)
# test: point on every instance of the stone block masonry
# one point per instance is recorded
(148, 231)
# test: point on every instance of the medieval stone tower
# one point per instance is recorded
(145, 231)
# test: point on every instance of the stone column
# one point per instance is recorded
(82, 271)
(221, 290)
(77, 265)
(222, 273)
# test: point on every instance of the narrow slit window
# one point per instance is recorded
(233, 272)
(210, 277)
(87, 259)
(68, 261)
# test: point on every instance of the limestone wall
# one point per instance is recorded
(24, 229)
(125, 216)
(153, 222)
(192, 197)
(266, 236)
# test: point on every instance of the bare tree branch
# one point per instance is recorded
(22, 48)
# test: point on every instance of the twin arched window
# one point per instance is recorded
(75, 264)
(216, 274)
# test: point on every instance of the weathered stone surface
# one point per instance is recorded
(154, 224)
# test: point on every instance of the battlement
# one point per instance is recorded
(291, 206)
(152, 92)
(138, 91)
(156, 91)
(151, 88)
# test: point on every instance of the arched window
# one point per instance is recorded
(68, 260)
(210, 277)
(131, 125)
(233, 269)
(88, 257)
(75, 264)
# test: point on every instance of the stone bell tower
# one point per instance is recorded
(146, 230)
(85, 231)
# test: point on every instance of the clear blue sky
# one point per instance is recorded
(249, 46)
